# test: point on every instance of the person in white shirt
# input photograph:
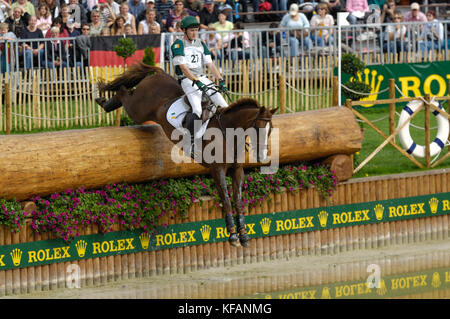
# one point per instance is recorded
(395, 35)
(432, 35)
(323, 36)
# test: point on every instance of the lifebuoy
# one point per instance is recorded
(405, 137)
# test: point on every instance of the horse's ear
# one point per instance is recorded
(262, 109)
(273, 111)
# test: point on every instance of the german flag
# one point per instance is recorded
(102, 49)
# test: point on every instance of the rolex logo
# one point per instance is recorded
(144, 238)
(81, 247)
(434, 202)
(16, 255)
(323, 218)
(382, 290)
(373, 81)
(379, 209)
(436, 280)
(265, 225)
(326, 293)
(206, 232)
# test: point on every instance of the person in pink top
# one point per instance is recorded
(356, 8)
(415, 15)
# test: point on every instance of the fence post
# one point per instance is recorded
(118, 116)
(8, 115)
(391, 107)
(282, 84)
(335, 97)
(427, 130)
(348, 103)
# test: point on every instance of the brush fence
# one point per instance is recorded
(366, 213)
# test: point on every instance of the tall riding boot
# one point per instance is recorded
(190, 124)
(110, 105)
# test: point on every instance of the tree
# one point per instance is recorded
(125, 49)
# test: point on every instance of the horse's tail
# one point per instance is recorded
(130, 78)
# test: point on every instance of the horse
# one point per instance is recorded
(146, 92)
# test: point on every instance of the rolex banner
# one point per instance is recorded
(414, 79)
(102, 49)
(212, 231)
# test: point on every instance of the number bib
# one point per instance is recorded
(195, 55)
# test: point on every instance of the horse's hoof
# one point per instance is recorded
(234, 240)
(100, 100)
(244, 240)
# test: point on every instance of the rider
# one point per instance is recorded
(189, 55)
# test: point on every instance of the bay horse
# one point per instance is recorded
(146, 92)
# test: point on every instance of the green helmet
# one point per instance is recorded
(189, 22)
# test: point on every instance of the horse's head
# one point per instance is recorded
(263, 125)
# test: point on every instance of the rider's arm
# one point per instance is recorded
(212, 67)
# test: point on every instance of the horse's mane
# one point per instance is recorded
(245, 103)
(131, 77)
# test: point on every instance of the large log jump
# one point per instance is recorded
(44, 163)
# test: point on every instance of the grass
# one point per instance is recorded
(389, 160)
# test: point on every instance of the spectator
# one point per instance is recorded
(66, 17)
(271, 41)
(335, 6)
(5, 7)
(54, 7)
(395, 40)
(105, 32)
(118, 27)
(96, 25)
(63, 31)
(432, 36)
(163, 8)
(129, 30)
(150, 21)
(194, 5)
(77, 13)
(176, 15)
(209, 14)
(150, 4)
(18, 21)
(82, 47)
(322, 37)
(238, 43)
(129, 18)
(72, 31)
(108, 10)
(27, 6)
(136, 7)
(296, 20)
(357, 9)
(31, 50)
(44, 16)
(56, 52)
(222, 26)
(5, 56)
(387, 14)
(5, 34)
(213, 41)
(415, 15)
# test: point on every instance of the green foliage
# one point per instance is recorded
(352, 65)
(11, 215)
(356, 86)
(125, 48)
(149, 56)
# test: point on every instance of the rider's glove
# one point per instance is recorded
(222, 86)
(201, 86)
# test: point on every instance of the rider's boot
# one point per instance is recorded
(109, 105)
(190, 124)
(243, 236)
(229, 222)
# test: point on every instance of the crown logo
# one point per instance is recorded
(433, 205)
(382, 290)
(436, 280)
(372, 82)
(81, 247)
(323, 218)
(206, 232)
(326, 293)
(144, 238)
(379, 209)
(265, 225)
(16, 255)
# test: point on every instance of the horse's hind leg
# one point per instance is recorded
(237, 176)
(218, 174)
(109, 105)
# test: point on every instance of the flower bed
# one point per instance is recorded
(142, 206)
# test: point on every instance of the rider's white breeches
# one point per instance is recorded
(194, 95)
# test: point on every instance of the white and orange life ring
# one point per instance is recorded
(405, 137)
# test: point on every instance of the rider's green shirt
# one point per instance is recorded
(194, 55)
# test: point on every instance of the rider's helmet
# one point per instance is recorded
(189, 22)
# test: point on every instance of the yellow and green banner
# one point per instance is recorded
(211, 231)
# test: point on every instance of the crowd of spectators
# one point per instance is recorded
(36, 19)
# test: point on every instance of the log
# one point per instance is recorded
(342, 165)
(44, 163)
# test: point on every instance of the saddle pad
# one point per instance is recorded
(176, 114)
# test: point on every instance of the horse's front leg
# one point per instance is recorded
(237, 176)
(218, 174)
